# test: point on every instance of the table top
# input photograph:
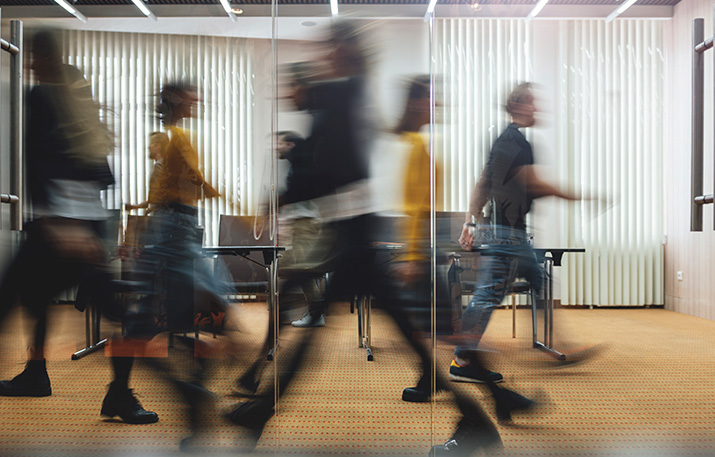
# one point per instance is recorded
(556, 254)
(240, 249)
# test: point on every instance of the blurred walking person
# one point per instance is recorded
(66, 167)
(168, 268)
(339, 142)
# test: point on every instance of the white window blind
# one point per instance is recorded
(127, 70)
(613, 119)
(478, 61)
(608, 79)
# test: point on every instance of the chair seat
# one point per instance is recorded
(255, 287)
(520, 287)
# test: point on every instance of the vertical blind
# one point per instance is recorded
(478, 61)
(126, 72)
(614, 146)
(610, 140)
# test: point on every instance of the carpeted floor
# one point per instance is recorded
(649, 393)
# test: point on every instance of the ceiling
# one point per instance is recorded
(101, 11)
(237, 3)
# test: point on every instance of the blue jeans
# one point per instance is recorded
(510, 256)
(174, 275)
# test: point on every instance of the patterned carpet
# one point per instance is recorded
(649, 393)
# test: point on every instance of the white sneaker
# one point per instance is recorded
(309, 321)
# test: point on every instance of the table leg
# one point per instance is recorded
(547, 344)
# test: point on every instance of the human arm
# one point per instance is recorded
(477, 200)
(538, 187)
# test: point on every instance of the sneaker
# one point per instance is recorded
(309, 321)
(32, 382)
(468, 373)
(122, 402)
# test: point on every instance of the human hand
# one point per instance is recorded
(466, 239)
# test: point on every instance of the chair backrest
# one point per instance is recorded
(238, 231)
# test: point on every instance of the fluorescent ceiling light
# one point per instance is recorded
(624, 6)
(72, 10)
(334, 7)
(227, 8)
(537, 9)
(430, 8)
(143, 8)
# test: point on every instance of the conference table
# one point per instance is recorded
(94, 341)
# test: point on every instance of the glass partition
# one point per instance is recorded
(353, 99)
(295, 276)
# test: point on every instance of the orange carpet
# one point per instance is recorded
(649, 393)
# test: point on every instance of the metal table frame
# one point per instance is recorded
(553, 259)
(270, 253)
(550, 257)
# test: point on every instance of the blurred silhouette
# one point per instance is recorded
(407, 290)
(303, 221)
(339, 141)
(158, 144)
(135, 228)
(174, 282)
(66, 167)
(510, 182)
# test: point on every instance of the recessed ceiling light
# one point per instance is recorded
(236, 10)
(227, 7)
(308, 24)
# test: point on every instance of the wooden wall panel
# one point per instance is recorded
(693, 254)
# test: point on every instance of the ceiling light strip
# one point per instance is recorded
(537, 9)
(430, 9)
(334, 7)
(72, 10)
(227, 8)
(144, 9)
(620, 10)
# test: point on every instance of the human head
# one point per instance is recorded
(299, 76)
(285, 142)
(347, 55)
(46, 45)
(158, 141)
(176, 102)
(417, 105)
(520, 105)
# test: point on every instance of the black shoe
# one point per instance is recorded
(469, 373)
(421, 393)
(468, 438)
(32, 382)
(416, 395)
(508, 401)
(122, 402)
(253, 415)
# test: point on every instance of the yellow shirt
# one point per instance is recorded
(417, 197)
(180, 179)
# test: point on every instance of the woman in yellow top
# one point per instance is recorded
(167, 266)
(411, 307)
